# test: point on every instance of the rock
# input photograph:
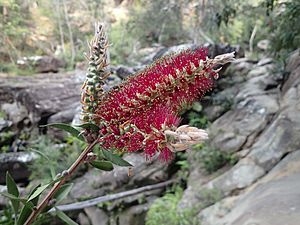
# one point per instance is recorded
(15, 112)
(240, 67)
(41, 64)
(83, 219)
(219, 49)
(293, 61)
(213, 50)
(261, 70)
(38, 97)
(65, 116)
(263, 44)
(97, 183)
(16, 163)
(123, 71)
(174, 49)
(4, 124)
(96, 216)
(272, 201)
(264, 127)
(253, 107)
(238, 177)
(265, 61)
(135, 215)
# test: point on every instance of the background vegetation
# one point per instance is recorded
(61, 28)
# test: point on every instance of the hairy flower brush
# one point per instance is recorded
(142, 112)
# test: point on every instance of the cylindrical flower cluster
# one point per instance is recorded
(140, 113)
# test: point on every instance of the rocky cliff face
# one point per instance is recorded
(262, 128)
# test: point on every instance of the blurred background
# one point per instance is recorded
(247, 173)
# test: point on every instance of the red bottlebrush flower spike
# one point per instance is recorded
(140, 113)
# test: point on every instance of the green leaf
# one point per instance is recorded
(62, 192)
(64, 217)
(102, 165)
(115, 159)
(12, 197)
(25, 213)
(74, 132)
(27, 208)
(13, 190)
(52, 170)
(91, 126)
(38, 192)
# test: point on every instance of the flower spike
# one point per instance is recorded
(143, 112)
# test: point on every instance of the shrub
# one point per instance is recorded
(164, 211)
(54, 158)
(213, 159)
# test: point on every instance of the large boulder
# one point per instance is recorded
(29, 101)
(41, 64)
(274, 200)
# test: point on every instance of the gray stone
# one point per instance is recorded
(41, 64)
(123, 71)
(96, 183)
(135, 215)
(65, 116)
(265, 61)
(4, 124)
(238, 177)
(40, 96)
(97, 216)
(16, 163)
(15, 112)
(272, 201)
(83, 219)
(263, 44)
(261, 70)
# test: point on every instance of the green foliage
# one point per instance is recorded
(6, 137)
(115, 159)
(102, 165)
(7, 217)
(68, 128)
(184, 166)
(57, 157)
(197, 120)
(64, 217)
(286, 28)
(13, 190)
(13, 28)
(157, 22)
(164, 211)
(212, 158)
(122, 43)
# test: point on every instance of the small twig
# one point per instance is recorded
(57, 185)
(95, 201)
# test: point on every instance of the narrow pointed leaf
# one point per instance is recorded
(74, 132)
(65, 218)
(62, 193)
(13, 190)
(27, 208)
(25, 213)
(38, 192)
(91, 126)
(115, 159)
(102, 165)
(12, 197)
